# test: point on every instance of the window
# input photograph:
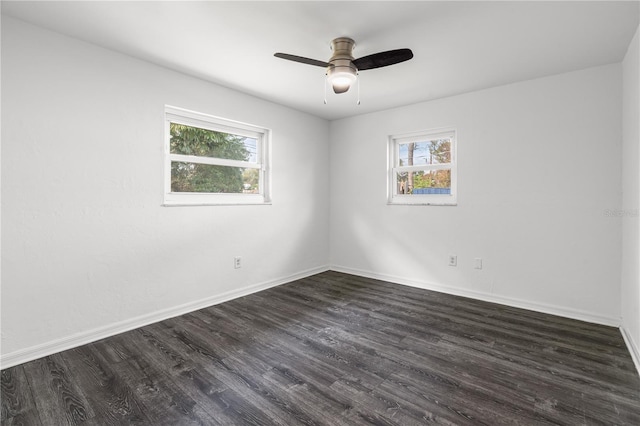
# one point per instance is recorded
(422, 168)
(210, 160)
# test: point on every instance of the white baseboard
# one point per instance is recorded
(38, 351)
(634, 349)
(487, 297)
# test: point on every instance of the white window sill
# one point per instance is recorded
(191, 199)
(422, 204)
(413, 200)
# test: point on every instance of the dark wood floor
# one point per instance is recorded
(336, 349)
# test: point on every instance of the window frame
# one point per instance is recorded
(394, 142)
(223, 125)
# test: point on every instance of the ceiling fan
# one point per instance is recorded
(342, 68)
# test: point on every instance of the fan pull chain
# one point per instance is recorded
(326, 77)
(358, 80)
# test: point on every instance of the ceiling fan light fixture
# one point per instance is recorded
(341, 78)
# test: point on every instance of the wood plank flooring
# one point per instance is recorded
(336, 349)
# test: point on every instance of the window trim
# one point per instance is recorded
(393, 155)
(218, 124)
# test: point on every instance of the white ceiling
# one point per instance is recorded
(458, 46)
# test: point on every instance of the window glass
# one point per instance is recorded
(195, 177)
(422, 168)
(189, 140)
(436, 151)
(208, 159)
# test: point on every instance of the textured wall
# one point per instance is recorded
(631, 196)
(86, 243)
(539, 169)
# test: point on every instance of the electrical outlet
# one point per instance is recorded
(237, 262)
(453, 260)
(477, 263)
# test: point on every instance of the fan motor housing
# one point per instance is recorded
(342, 60)
(342, 46)
(342, 52)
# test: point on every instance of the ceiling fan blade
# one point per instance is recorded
(301, 59)
(383, 59)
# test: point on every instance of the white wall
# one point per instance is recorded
(539, 166)
(87, 247)
(631, 198)
(89, 251)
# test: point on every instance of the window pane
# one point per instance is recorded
(188, 140)
(435, 151)
(193, 177)
(428, 182)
